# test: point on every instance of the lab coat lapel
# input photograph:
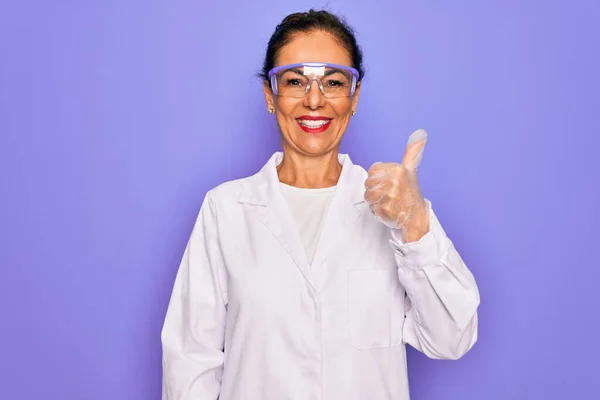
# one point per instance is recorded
(341, 214)
(275, 215)
(280, 222)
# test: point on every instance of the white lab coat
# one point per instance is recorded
(251, 319)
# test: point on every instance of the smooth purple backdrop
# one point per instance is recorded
(117, 116)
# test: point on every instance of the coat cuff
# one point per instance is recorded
(427, 251)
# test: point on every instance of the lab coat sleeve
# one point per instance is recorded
(442, 297)
(193, 330)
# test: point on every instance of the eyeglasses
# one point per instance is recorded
(295, 80)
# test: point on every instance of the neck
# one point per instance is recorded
(309, 171)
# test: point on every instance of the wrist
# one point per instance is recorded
(418, 226)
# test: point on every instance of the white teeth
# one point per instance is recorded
(313, 124)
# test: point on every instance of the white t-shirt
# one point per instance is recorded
(308, 207)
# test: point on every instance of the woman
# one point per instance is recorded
(307, 279)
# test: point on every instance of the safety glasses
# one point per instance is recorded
(295, 80)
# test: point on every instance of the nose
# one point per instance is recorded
(314, 98)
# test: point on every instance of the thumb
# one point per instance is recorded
(414, 149)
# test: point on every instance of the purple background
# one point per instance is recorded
(117, 116)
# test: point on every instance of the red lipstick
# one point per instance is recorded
(313, 124)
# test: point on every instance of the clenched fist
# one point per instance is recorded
(393, 192)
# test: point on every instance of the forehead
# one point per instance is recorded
(313, 47)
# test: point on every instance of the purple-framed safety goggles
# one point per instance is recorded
(295, 80)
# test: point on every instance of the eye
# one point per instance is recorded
(294, 82)
(335, 83)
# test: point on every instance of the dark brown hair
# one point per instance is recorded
(304, 22)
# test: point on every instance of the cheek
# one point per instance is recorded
(343, 114)
(285, 106)
(284, 113)
(343, 109)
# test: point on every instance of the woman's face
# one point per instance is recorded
(291, 113)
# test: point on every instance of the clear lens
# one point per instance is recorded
(296, 81)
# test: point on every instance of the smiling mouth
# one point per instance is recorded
(314, 125)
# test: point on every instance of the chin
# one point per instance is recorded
(313, 144)
(316, 149)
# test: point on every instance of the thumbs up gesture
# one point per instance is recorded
(393, 192)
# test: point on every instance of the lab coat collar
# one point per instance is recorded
(263, 187)
(264, 191)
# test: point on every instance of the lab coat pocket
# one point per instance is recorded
(375, 308)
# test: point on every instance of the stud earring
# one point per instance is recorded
(353, 112)
(271, 111)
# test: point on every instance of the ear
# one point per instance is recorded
(355, 97)
(269, 98)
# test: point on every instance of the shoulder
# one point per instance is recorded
(220, 201)
(228, 192)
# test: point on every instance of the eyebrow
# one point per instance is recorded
(333, 71)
